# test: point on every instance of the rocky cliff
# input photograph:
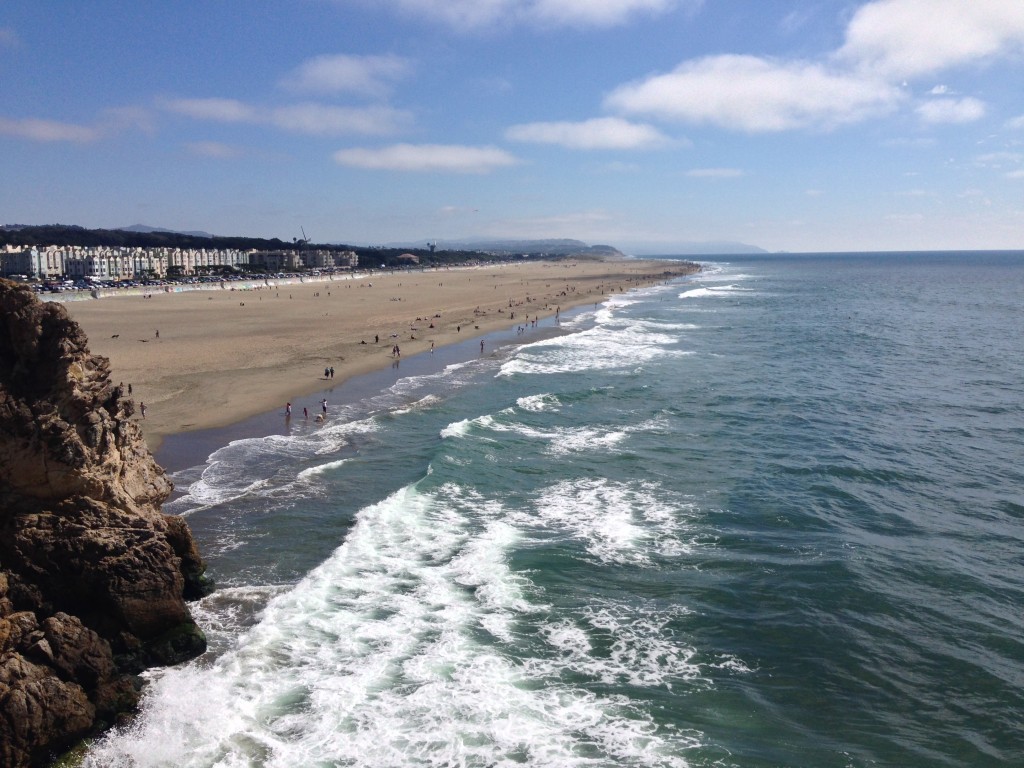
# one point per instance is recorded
(93, 576)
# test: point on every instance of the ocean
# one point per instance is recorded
(768, 515)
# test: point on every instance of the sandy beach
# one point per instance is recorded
(211, 358)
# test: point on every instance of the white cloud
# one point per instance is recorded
(427, 157)
(910, 38)
(218, 110)
(597, 225)
(120, 119)
(905, 218)
(887, 42)
(1016, 123)
(714, 173)
(796, 20)
(472, 14)
(307, 118)
(617, 166)
(325, 120)
(599, 133)
(599, 13)
(111, 122)
(951, 110)
(369, 75)
(214, 149)
(754, 94)
(996, 159)
(1009, 162)
(36, 129)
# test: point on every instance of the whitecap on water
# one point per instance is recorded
(606, 347)
(617, 522)
(716, 291)
(538, 403)
(636, 646)
(403, 649)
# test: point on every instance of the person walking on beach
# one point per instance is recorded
(142, 409)
(332, 371)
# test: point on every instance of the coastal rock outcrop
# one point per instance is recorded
(93, 576)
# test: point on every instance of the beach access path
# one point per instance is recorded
(210, 358)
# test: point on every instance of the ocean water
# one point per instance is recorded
(771, 515)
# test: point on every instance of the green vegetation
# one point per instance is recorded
(69, 234)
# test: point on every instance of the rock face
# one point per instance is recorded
(93, 576)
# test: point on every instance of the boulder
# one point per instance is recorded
(93, 575)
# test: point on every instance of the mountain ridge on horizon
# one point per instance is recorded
(146, 229)
(490, 244)
(684, 248)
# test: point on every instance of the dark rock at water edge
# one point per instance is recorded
(93, 576)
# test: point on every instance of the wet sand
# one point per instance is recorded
(223, 356)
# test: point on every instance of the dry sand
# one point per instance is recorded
(224, 355)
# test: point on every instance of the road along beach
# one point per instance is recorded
(210, 358)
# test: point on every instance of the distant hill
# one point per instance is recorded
(549, 247)
(70, 234)
(148, 229)
(706, 248)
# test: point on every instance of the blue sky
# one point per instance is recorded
(792, 125)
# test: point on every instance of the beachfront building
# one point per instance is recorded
(326, 259)
(19, 261)
(100, 263)
(346, 259)
(291, 260)
(192, 261)
(105, 264)
(35, 263)
(275, 261)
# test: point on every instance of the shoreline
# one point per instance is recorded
(188, 449)
(207, 360)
